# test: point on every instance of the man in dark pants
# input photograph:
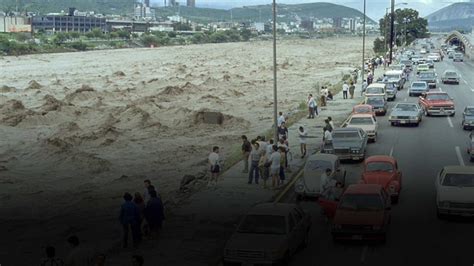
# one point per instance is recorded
(255, 155)
(130, 219)
(154, 214)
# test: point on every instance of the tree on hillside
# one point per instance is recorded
(408, 26)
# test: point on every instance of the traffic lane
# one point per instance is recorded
(421, 154)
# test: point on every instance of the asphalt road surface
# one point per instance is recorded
(416, 236)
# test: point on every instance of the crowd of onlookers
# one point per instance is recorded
(140, 215)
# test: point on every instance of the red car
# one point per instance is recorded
(383, 170)
(363, 109)
(363, 213)
(437, 103)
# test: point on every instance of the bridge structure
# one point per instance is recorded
(465, 42)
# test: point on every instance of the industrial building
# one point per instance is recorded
(68, 23)
(15, 24)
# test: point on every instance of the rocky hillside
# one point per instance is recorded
(456, 16)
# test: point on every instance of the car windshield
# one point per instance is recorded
(361, 121)
(263, 224)
(437, 97)
(345, 135)
(427, 75)
(422, 66)
(406, 107)
(362, 202)
(450, 74)
(418, 84)
(375, 101)
(459, 180)
(391, 86)
(406, 62)
(469, 111)
(379, 166)
(374, 90)
(316, 165)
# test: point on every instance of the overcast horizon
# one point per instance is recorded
(375, 8)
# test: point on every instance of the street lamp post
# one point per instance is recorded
(275, 108)
(363, 53)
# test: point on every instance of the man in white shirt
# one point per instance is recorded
(311, 104)
(345, 89)
(327, 137)
(281, 119)
(214, 165)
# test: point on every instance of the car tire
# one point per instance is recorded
(417, 124)
(452, 114)
(464, 127)
(410, 95)
(392, 124)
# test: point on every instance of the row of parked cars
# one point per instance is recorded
(270, 233)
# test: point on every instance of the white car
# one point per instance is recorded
(455, 191)
(434, 56)
(423, 51)
(376, 89)
(365, 122)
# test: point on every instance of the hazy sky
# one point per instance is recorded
(375, 8)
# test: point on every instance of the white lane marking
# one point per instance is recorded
(464, 81)
(364, 253)
(450, 122)
(440, 89)
(391, 151)
(460, 159)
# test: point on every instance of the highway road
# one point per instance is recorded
(416, 236)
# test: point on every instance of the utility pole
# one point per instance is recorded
(363, 53)
(392, 21)
(275, 108)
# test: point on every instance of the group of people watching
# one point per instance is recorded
(136, 210)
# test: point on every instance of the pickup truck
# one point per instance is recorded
(437, 103)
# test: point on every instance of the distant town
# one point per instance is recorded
(144, 18)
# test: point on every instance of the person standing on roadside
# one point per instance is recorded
(130, 218)
(302, 137)
(311, 104)
(283, 164)
(148, 187)
(154, 214)
(214, 165)
(351, 90)
(51, 259)
(281, 119)
(364, 87)
(345, 89)
(255, 156)
(275, 158)
(282, 130)
(140, 203)
(246, 149)
(331, 123)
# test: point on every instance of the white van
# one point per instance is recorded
(397, 76)
(376, 89)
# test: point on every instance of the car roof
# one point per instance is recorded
(393, 72)
(363, 105)
(377, 85)
(450, 70)
(279, 209)
(436, 92)
(378, 158)
(361, 115)
(457, 169)
(363, 189)
(418, 81)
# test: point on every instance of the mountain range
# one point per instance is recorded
(262, 13)
(458, 16)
